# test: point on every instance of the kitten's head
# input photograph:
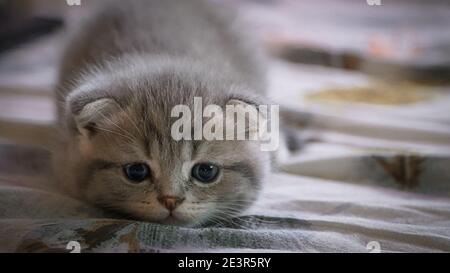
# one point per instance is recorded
(123, 157)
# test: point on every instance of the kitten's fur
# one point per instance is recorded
(126, 68)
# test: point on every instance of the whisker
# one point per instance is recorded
(116, 125)
(114, 132)
(127, 115)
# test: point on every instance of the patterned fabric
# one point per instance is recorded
(296, 213)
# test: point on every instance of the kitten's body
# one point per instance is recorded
(192, 29)
(130, 64)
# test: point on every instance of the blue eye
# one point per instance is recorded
(136, 172)
(205, 172)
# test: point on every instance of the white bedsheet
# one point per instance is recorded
(345, 217)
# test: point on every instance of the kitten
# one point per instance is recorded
(123, 72)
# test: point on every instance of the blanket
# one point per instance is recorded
(297, 212)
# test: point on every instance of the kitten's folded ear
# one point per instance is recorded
(87, 114)
(249, 102)
(247, 109)
(252, 100)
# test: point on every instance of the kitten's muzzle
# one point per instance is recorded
(170, 202)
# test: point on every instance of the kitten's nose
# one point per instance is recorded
(170, 202)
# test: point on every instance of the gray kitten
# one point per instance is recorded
(124, 71)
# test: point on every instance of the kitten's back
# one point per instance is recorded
(195, 29)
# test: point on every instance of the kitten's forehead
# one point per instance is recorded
(147, 96)
(167, 150)
(165, 81)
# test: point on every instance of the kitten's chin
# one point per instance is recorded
(179, 219)
(176, 221)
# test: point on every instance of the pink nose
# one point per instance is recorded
(170, 202)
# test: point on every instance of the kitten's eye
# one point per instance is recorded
(205, 172)
(136, 172)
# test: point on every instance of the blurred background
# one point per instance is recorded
(360, 80)
(365, 87)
